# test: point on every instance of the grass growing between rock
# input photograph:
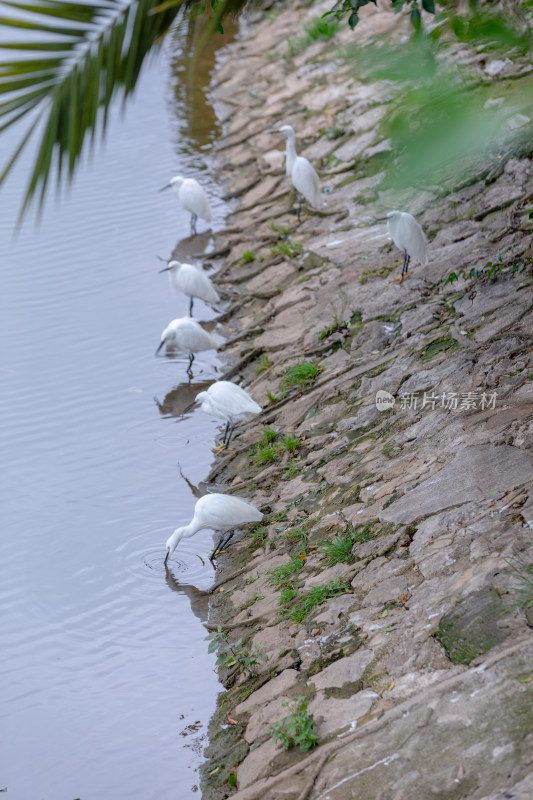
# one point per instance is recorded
(263, 363)
(280, 575)
(257, 533)
(298, 729)
(309, 600)
(317, 29)
(299, 376)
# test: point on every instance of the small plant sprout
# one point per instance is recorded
(291, 470)
(247, 257)
(263, 363)
(298, 729)
(235, 655)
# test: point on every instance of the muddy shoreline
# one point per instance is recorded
(382, 586)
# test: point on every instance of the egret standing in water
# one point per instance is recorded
(226, 401)
(192, 197)
(217, 512)
(190, 281)
(187, 336)
(408, 236)
(301, 172)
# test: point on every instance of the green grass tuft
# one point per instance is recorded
(305, 603)
(247, 257)
(263, 363)
(268, 435)
(291, 443)
(280, 575)
(299, 376)
(264, 455)
(339, 550)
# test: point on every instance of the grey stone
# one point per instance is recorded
(346, 670)
(334, 713)
(279, 685)
(475, 473)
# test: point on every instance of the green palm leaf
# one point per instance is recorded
(77, 57)
(63, 78)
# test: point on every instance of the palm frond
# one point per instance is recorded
(76, 58)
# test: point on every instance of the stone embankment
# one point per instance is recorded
(385, 584)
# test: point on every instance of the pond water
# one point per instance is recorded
(106, 684)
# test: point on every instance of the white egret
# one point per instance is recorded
(226, 401)
(301, 172)
(190, 281)
(186, 336)
(218, 512)
(408, 236)
(192, 197)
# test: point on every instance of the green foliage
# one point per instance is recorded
(335, 327)
(339, 550)
(292, 469)
(280, 575)
(298, 729)
(379, 272)
(317, 29)
(291, 443)
(516, 265)
(268, 435)
(272, 397)
(363, 533)
(332, 133)
(263, 363)
(299, 376)
(350, 8)
(265, 454)
(235, 655)
(247, 257)
(282, 230)
(287, 248)
(257, 533)
(306, 602)
(251, 601)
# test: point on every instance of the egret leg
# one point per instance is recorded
(190, 306)
(223, 546)
(217, 548)
(229, 437)
(191, 359)
(194, 217)
(299, 206)
(406, 259)
(225, 433)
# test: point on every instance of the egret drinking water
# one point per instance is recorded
(408, 236)
(186, 336)
(192, 197)
(301, 172)
(190, 281)
(217, 512)
(226, 401)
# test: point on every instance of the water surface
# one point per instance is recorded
(106, 684)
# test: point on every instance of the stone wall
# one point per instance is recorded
(409, 638)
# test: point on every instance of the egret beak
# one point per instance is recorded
(188, 408)
(381, 219)
(166, 269)
(160, 346)
(166, 558)
(162, 189)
